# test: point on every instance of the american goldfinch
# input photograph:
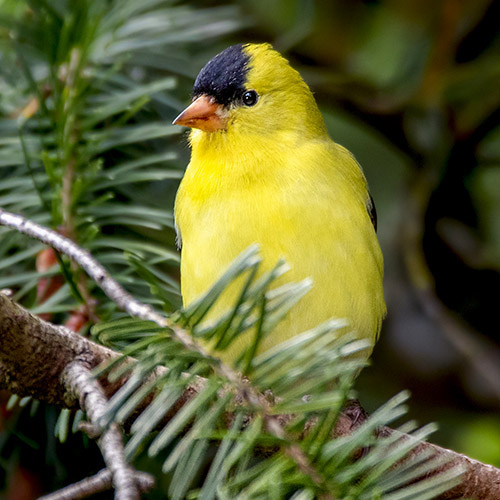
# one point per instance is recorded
(264, 170)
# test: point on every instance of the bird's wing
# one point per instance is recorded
(178, 236)
(372, 211)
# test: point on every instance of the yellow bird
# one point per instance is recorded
(264, 170)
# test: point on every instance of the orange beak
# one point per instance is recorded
(203, 113)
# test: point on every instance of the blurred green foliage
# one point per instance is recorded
(411, 88)
(440, 111)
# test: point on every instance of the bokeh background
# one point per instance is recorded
(413, 90)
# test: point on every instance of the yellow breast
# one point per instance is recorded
(304, 201)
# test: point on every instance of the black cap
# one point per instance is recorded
(224, 76)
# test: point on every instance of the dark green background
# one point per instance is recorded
(413, 90)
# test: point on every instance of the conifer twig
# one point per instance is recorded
(140, 310)
(477, 477)
(22, 334)
(102, 481)
(93, 401)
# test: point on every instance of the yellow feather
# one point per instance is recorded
(275, 178)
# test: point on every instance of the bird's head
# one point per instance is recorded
(251, 89)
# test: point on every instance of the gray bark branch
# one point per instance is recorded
(102, 481)
(20, 332)
(35, 356)
(93, 401)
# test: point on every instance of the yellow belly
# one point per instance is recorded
(323, 233)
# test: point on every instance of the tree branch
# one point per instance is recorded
(36, 358)
(479, 481)
(35, 353)
(137, 309)
(108, 285)
(93, 401)
(102, 481)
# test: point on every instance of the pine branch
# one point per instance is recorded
(124, 300)
(22, 334)
(93, 401)
(95, 270)
(84, 349)
(98, 483)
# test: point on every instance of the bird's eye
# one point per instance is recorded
(250, 98)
